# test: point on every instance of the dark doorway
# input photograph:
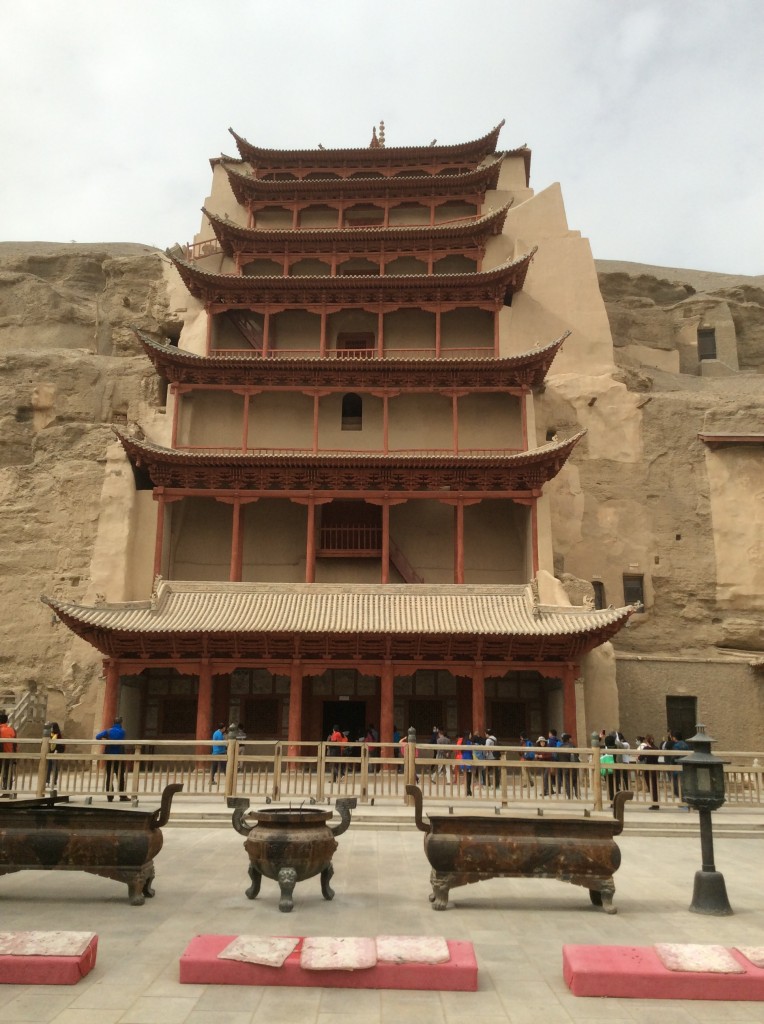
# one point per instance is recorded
(682, 715)
(508, 720)
(349, 715)
(424, 715)
(261, 718)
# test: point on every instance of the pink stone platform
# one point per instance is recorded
(47, 969)
(199, 965)
(637, 972)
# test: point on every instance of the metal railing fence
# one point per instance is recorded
(282, 771)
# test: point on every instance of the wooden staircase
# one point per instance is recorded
(399, 561)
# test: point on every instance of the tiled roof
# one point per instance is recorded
(194, 607)
(244, 358)
(245, 187)
(414, 457)
(253, 153)
(497, 283)
(464, 227)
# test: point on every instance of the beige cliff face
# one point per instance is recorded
(71, 371)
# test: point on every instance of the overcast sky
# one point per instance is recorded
(649, 112)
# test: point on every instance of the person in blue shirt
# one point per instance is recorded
(219, 751)
(115, 770)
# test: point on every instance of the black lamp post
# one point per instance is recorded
(703, 790)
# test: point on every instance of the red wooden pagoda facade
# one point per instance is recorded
(347, 513)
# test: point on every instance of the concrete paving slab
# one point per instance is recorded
(381, 881)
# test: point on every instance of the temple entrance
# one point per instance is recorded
(509, 719)
(349, 715)
(424, 715)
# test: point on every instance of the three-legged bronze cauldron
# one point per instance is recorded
(290, 844)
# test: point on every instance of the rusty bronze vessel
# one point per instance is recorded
(50, 834)
(290, 844)
(467, 848)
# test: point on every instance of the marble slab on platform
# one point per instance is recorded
(202, 963)
(46, 958)
(641, 972)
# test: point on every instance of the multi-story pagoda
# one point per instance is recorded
(349, 516)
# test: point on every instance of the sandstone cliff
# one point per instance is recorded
(71, 369)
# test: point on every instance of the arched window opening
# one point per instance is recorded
(352, 412)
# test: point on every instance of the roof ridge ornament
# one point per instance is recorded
(378, 141)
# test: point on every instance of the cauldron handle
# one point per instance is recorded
(618, 801)
(416, 792)
(162, 816)
(240, 805)
(344, 807)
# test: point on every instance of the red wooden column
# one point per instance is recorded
(385, 576)
(437, 334)
(236, 542)
(569, 674)
(245, 421)
(535, 537)
(380, 333)
(478, 698)
(459, 542)
(310, 548)
(159, 542)
(524, 400)
(204, 706)
(496, 340)
(266, 332)
(175, 396)
(111, 694)
(386, 690)
(294, 731)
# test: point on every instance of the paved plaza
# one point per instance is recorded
(518, 928)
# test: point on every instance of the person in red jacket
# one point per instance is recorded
(7, 747)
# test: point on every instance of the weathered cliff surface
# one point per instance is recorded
(71, 370)
(643, 494)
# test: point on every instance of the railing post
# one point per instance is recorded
(364, 780)
(503, 769)
(321, 771)
(230, 768)
(596, 773)
(278, 767)
(42, 769)
(409, 763)
(136, 773)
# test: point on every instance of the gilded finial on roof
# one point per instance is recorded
(382, 134)
(374, 144)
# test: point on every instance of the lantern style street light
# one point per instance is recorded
(703, 790)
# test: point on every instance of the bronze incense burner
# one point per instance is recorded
(50, 834)
(467, 848)
(290, 844)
